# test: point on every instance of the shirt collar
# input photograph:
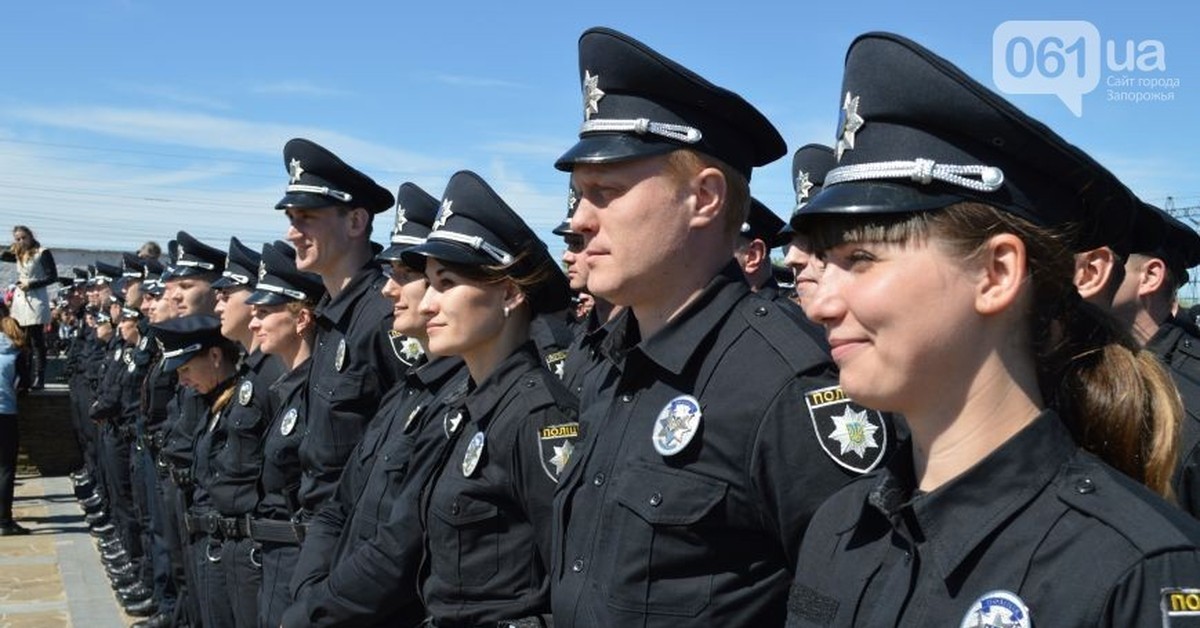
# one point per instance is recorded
(675, 344)
(436, 372)
(335, 309)
(487, 394)
(956, 517)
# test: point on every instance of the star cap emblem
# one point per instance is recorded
(262, 270)
(854, 432)
(401, 219)
(851, 123)
(572, 201)
(443, 214)
(803, 187)
(591, 94)
(295, 170)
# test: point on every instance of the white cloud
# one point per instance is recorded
(172, 94)
(460, 80)
(298, 88)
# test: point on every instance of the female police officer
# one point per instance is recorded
(995, 513)
(486, 511)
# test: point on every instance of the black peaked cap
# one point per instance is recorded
(762, 224)
(278, 280)
(318, 178)
(241, 266)
(416, 210)
(475, 227)
(638, 103)
(182, 338)
(917, 134)
(194, 257)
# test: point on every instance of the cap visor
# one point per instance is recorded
(224, 282)
(191, 271)
(442, 250)
(871, 198)
(302, 200)
(609, 148)
(174, 362)
(564, 228)
(394, 253)
(262, 297)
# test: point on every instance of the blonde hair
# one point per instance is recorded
(1117, 399)
(11, 328)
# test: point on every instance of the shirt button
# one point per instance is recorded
(454, 509)
(627, 397)
(577, 566)
(907, 557)
(598, 479)
(760, 311)
(529, 383)
(1083, 486)
(387, 457)
(656, 499)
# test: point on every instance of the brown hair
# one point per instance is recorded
(11, 328)
(1116, 398)
(27, 251)
(682, 164)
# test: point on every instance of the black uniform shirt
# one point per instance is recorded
(348, 573)
(487, 511)
(136, 363)
(157, 391)
(181, 428)
(552, 335)
(106, 406)
(280, 479)
(353, 365)
(1177, 344)
(706, 534)
(1039, 533)
(204, 443)
(582, 354)
(238, 437)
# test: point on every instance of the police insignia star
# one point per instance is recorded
(997, 609)
(557, 443)
(676, 425)
(295, 170)
(474, 453)
(262, 270)
(851, 122)
(852, 436)
(246, 392)
(803, 187)
(450, 422)
(401, 219)
(591, 94)
(443, 214)
(407, 349)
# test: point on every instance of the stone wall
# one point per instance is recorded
(48, 444)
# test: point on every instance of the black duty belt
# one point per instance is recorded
(535, 621)
(217, 526)
(275, 531)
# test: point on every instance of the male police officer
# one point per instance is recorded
(330, 206)
(758, 236)
(699, 466)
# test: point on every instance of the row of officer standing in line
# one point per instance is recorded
(683, 489)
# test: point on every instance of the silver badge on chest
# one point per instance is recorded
(339, 359)
(245, 392)
(474, 453)
(288, 424)
(676, 425)
(450, 422)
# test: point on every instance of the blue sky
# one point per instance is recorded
(122, 121)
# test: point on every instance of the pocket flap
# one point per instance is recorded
(667, 496)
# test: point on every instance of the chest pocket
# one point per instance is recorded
(464, 539)
(663, 560)
(342, 391)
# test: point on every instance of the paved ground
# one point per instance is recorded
(53, 577)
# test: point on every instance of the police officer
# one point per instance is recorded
(592, 327)
(759, 235)
(809, 165)
(349, 573)
(1161, 252)
(187, 292)
(235, 442)
(284, 323)
(330, 207)
(486, 510)
(713, 431)
(993, 511)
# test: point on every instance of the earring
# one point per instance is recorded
(506, 310)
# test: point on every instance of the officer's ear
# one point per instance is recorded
(709, 190)
(513, 297)
(1002, 273)
(358, 222)
(1095, 271)
(1153, 276)
(304, 321)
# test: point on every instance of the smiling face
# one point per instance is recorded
(893, 349)
(406, 287)
(276, 328)
(464, 316)
(805, 267)
(320, 236)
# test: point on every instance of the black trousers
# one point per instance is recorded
(8, 464)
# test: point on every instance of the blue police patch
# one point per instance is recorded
(997, 609)
(676, 425)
